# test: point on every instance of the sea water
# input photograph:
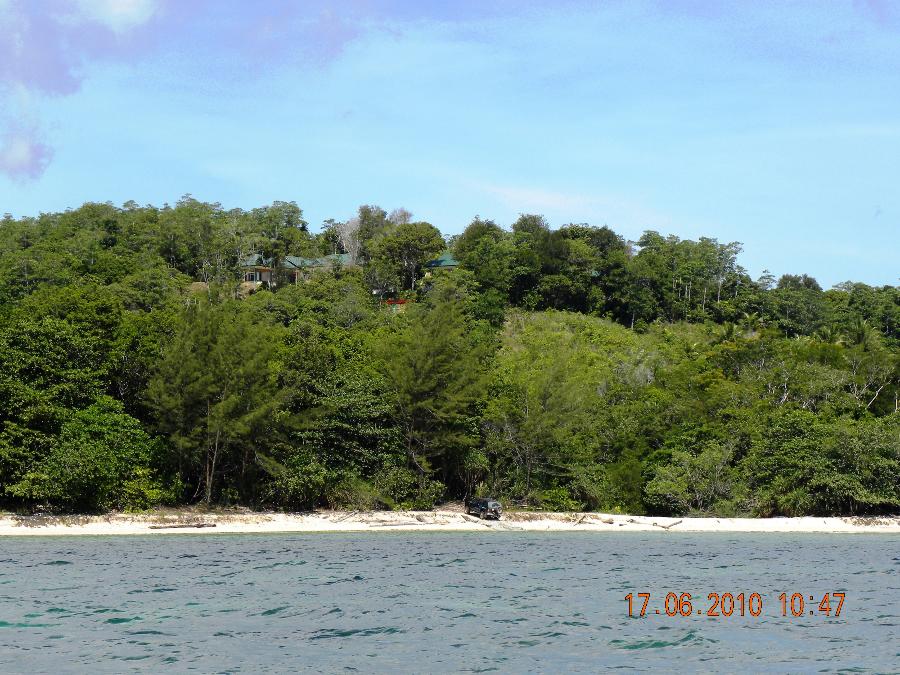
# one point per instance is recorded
(445, 602)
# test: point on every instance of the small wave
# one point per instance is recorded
(455, 561)
(355, 577)
(549, 634)
(689, 637)
(329, 633)
(288, 563)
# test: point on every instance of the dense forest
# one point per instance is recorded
(554, 368)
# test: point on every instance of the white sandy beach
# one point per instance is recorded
(384, 521)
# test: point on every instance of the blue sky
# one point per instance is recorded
(773, 124)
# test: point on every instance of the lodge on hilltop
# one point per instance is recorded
(259, 270)
(445, 261)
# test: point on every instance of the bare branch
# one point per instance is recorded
(348, 234)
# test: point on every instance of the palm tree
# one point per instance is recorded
(861, 334)
(830, 335)
(752, 322)
(727, 333)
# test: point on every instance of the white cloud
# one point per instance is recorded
(118, 15)
(22, 156)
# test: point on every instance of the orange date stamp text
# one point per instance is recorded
(673, 604)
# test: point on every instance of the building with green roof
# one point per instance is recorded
(258, 269)
(446, 261)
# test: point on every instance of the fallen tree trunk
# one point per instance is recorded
(671, 525)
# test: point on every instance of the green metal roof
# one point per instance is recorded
(296, 262)
(446, 259)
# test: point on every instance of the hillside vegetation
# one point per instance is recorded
(561, 369)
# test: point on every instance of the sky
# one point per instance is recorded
(775, 124)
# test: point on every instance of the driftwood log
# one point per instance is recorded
(175, 526)
(671, 525)
(605, 521)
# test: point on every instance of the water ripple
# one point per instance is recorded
(440, 602)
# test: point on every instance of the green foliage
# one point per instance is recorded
(560, 368)
(145, 490)
(402, 488)
(557, 499)
(351, 491)
(213, 392)
(101, 460)
(432, 360)
(805, 465)
(48, 368)
(399, 252)
(297, 484)
(701, 482)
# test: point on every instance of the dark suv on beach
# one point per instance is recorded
(484, 507)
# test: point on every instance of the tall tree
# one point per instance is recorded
(434, 365)
(214, 391)
(404, 249)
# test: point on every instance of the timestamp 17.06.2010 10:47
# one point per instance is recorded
(733, 604)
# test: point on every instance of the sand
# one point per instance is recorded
(187, 521)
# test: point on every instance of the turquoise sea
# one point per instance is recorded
(444, 602)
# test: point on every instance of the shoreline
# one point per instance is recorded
(189, 522)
